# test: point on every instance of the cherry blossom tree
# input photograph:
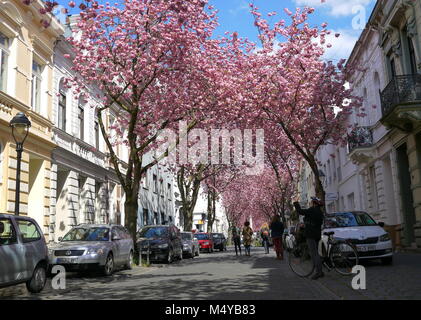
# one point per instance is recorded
(295, 89)
(156, 64)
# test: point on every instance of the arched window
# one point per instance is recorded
(61, 108)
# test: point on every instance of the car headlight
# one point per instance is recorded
(95, 251)
(163, 246)
(50, 251)
(385, 237)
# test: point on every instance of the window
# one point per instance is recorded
(36, 86)
(162, 218)
(392, 68)
(155, 216)
(351, 204)
(145, 217)
(145, 181)
(161, 187)
(169, 191)
(412, 58)
(29, 230)
(81, 119)
(96, 135)
(4, 55)
(7, 232)
(155, 183)
(62, 100)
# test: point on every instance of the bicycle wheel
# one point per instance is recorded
(343, 257)
(300, 261)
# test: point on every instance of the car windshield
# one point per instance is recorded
(186, 236)
(201, 236)
(154, 232)
(88, 234)
(349, 219)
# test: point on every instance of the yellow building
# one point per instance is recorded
(26, 85)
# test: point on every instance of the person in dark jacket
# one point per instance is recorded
(313, 220)
(236, 238)
(277, 229)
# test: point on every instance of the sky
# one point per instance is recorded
(346, 17)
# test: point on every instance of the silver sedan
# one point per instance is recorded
(94, 247)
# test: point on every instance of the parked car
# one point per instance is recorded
(23, 253)
(190, 244)
(94, 247)
(205, 241)
(371, 240)
(163, 243)
(220, 242)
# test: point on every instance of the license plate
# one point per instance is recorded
(366, 248)
(66, 260)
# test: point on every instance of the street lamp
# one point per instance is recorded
(20, 128)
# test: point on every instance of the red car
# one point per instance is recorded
(205, 241)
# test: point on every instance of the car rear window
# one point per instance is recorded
(201, 236)
(186, 236)
(29, 230)
(154, 232)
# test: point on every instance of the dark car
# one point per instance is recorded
(161, 242)
(219, 241)
(205, 241)
(23, 253)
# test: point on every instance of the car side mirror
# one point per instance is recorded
(59, 239)
(381, 224)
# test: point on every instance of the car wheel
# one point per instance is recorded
(108, 268)
(387, 261)
(38, 280)
(129, 264)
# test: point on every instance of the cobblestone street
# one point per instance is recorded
(224, 276)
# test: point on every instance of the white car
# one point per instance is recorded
(371, 240)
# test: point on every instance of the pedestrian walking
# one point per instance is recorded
(247, 237)
(236, 238)
(277, 229)
(313, 220)
(264, 233)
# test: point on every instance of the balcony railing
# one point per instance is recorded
(360, 137)
(401, 90)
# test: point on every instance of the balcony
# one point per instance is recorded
(360, 145)
(401, 102)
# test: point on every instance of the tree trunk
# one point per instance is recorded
(320, 192)
(188, 219)
(130, 216)
(209, 211)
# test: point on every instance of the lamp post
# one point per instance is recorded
(20, 128)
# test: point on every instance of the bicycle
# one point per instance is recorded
(340, 255)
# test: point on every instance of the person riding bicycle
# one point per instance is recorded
(313, 220)
(264, 233)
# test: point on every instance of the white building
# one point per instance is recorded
(84, 186)
(380, 170)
